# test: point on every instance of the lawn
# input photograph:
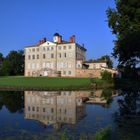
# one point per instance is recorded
(44, 82)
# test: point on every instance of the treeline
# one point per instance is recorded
(12, 64)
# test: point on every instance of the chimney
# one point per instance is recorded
(43, 40)
(72, 39)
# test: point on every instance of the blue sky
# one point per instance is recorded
(24, 22)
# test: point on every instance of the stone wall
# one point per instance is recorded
(88, 73)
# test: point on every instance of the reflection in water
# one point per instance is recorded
(55, 108)
(86, 111)
(103, 97)
(128, 115)
(13, 101)
(58, 108)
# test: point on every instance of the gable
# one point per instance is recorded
(48, 43)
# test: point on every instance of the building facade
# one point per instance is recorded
(96, 64)
(54, 58)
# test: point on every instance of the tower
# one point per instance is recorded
(57, 38)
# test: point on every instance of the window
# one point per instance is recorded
(60, 55)
(33, 108)
(37, 109)
(52, 110)
(52, 55)
(37, 49)
(28, 66)
(64, 72)
(64, 47)
(37, 56)
(28, 108)
(44, 49)
(78, 66)
(33, 56)
(48, 48)
(44, 56)
(37, 65)
(29, 57)
(33, 66)
(43, 109)
(69, 72)
(65, 55)
(65, 65)
(65, 111)
(33, 50)
(44, 65)
(59, 47)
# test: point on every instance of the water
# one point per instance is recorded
(43, 114)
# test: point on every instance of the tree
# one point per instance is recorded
(13, 64)
(106, 75)
(124, 20)
(1, 61)
(1, 57)
(107, 59)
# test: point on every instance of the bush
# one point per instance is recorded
(106, 75)
(103, 134)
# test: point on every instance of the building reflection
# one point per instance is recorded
(55, 108)
(62, 107)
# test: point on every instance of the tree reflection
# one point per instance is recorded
(128, 116)
(107, 95)
(12, 100)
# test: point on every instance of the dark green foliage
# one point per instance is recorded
(1, 60)
(107, 59)
(103, 134)
(128, 115)
(106, 75)
(12, 100)
(124, 21)
(107, 94)
(13, 64)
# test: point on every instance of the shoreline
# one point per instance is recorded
(11, 88)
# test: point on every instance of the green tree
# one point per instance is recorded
(106, 75)
(107, 59)
(5, 68)
(124, 20)
(13, 64)
(1, 59)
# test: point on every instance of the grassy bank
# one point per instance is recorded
(45, 83)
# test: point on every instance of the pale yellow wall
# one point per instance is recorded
(96, 65)
(67, 65)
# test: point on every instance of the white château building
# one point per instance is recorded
(54, 58)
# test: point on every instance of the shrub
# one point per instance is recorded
(103, 134)
(106, 75)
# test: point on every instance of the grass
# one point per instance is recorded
(46, 83)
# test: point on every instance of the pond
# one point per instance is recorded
(40, 115)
